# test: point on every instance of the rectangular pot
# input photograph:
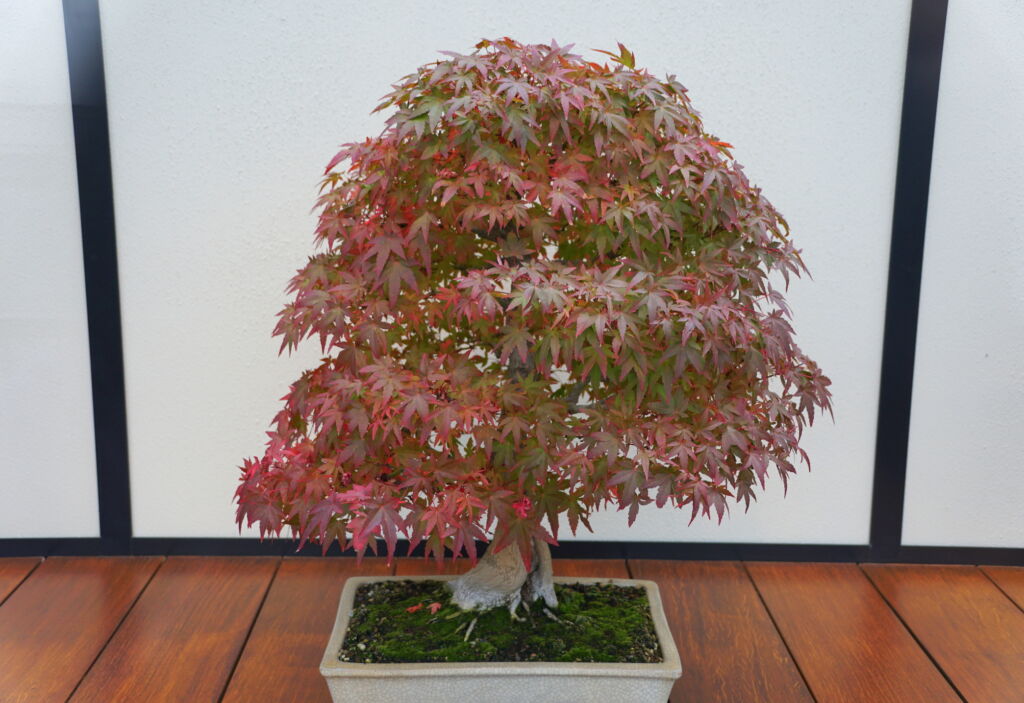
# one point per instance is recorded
(500, 682)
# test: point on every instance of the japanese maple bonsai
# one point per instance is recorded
(544, 289)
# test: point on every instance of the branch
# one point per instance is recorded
(493, 234)
(519, 369)
(574, 396)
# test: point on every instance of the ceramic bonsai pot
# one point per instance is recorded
(500, 682)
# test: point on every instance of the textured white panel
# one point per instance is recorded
(965, 484)
(47, 455)
(224, 114)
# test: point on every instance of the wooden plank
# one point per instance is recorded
(846, 640)
(971, 629)
(1010, 580)
(281, 660)
(181, 640)
(596, 568)
(729, 648)
(13, 571)
(53, 627)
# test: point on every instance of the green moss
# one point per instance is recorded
(596, 623)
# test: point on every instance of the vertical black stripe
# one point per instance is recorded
(913, 171)
(99, 248)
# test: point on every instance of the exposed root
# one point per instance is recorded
(540, 581)
(501, 579)
(470, 630)
(553, 616)
(495, 581)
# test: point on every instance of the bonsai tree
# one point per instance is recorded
(544, 289)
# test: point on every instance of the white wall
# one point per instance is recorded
(965, 484)
(47, 455)
(223, 115)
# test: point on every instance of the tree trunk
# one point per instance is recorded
(501, 579)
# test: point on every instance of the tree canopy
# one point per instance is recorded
(542, 290)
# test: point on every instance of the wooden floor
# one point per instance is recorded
(200, 629)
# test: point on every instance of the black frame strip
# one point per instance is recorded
(702, 551)
(917, 127)
(99, 251)
(910, 212)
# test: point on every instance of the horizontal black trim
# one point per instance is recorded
(566, 550)
(717, 551)
(675, 551)
(72, 546)
(994, 556)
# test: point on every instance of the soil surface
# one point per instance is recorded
(414, 621)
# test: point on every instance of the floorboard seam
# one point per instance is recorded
(995, 583)
(128, 610)
(771, 616)
(23, 580)
(248, 633)
(913, 634)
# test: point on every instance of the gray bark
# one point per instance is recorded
(500, 579)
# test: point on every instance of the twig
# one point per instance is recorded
(553, 616)
(470, 630)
